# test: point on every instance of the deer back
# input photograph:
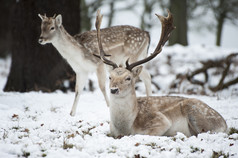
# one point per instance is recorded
(124, 40)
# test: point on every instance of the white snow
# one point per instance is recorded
(37, 124)
(4, 71)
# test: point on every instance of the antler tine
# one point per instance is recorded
(167, 28)
(102, 53)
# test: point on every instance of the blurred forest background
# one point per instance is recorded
(37, 67)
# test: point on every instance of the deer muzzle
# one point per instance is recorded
(114, 90)
(40, 40)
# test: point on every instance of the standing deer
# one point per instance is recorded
(154, 115)
(120, 43)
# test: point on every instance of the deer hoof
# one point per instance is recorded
(72, 113)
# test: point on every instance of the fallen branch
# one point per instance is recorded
(223, 64)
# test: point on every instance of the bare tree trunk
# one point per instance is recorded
(37, 67)
(111, 14)
(179, 11)
(219, 29)
(220, 21)
(148, 6)
(85, 19)
(5, 32)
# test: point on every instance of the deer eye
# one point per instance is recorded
(110, 78)
(52, 28)
(128, 79)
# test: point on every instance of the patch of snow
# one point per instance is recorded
(4, 71)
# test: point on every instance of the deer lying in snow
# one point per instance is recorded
(154, 115)
(120, 43)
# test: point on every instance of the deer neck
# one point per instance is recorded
(65, 42)
(68, 47)
(123, 112)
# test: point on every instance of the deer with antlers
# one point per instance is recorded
(120, 43)
(153, 115)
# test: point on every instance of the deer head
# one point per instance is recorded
(122, 80)
(49, 28)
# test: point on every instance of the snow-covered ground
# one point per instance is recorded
(37, 124)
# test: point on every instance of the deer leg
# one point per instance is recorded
(146, 78)
(202, 118)
(101, 74)
(159, 125)
(80, 82)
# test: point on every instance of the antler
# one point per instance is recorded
(42, 16)
(167, 28)
(102, 53)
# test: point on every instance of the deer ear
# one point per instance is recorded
(136, 71)
(58, 20)
(41, 16)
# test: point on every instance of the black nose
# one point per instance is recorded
(40, 40)
(114, 91)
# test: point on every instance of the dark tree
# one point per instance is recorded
(5, 38)
(111, 13)
(37, 67)
(88, 11)
(146, 15)
(179, 11)
(224, 11)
